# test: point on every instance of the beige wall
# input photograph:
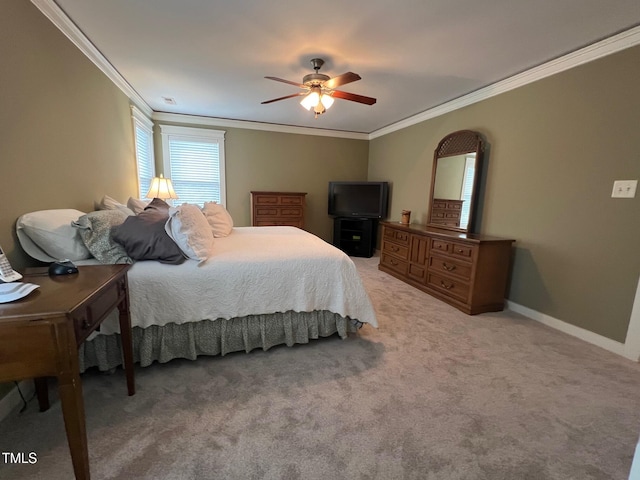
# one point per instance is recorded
(65, 129)
(555, 148)
(261, 160)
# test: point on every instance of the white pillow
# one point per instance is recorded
(188, 227)
(47, 235)
(219, 219)
(136, 205)
(109, 203)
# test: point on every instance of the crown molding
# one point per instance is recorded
(613, 44)
(269, 127)
(141, 117)
(55, 14)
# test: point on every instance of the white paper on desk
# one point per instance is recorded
(10, 292)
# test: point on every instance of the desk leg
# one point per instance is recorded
(71, 399)
(74, 423)
(42, 392)
(127, 341)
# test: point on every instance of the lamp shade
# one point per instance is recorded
(161, 188)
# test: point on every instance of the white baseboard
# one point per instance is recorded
(12, 400)
(581, 333)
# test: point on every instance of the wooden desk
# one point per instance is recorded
(40, 334)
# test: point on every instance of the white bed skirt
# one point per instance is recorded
(218, 337)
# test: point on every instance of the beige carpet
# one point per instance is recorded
(431, 394)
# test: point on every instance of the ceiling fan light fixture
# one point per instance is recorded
(327, 101)
(319, 90)
(311, 100)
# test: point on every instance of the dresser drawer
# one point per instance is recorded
(266, 200)
(278, 223)
(290, 212)
(458, 250)
(290, 200)
(266, 211)
(87, 319)
(449, 286)
(394, 263)
(449, 266)
(440, 246)
(463, 251)
(397, 236)
(395, 249)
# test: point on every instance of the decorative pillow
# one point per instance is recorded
(219, 219)
(95, 230)
(109, 203)
(144, 238)
(47, 235)
(136, 205)
(188, 227)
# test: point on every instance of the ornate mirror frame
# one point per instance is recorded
(445, 213)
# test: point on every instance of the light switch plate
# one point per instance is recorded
(624, 189)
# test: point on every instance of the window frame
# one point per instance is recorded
(142, 122)
(194, 134)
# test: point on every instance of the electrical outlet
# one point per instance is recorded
(624, 189)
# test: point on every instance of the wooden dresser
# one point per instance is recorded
(277, 208)
(446, 212)
(468, 271)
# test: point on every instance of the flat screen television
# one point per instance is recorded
(358, 199)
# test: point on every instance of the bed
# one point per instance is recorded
(261, 287)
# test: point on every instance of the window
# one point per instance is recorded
(143, 136)
(193, 158)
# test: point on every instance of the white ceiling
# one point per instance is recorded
(212, 56)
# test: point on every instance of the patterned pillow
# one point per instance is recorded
(95, 229)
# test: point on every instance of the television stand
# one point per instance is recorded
(355, 236)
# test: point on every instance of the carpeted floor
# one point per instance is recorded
(431, 394)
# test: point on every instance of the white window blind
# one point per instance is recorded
(194, 160)
(145, 160)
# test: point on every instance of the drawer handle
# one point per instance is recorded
(445, 286)
(85, 323)
(460, 250)
(393, 262)
(394, 248)
(448, 268)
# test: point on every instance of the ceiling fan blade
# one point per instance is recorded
(284, 98)
(286, 81)
(342, 80)
(353, 97)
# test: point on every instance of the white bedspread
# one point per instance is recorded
(255, 270)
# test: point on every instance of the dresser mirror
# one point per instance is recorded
(457, 163)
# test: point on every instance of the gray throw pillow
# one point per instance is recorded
(95, 229)
(143, 236)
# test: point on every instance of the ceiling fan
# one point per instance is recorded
(320, 89)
